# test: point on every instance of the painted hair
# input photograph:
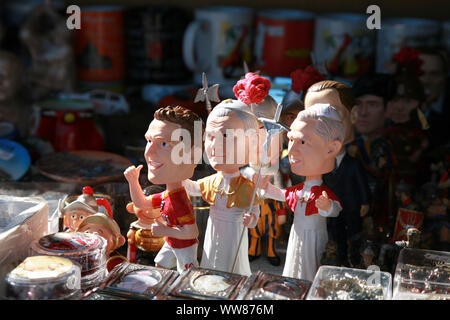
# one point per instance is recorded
(230, 106)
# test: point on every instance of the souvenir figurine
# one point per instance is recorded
(107, 228)
(329, 257)
(406, 130)
(372, 92)
(169, 164)
(315, 138)
(228, 137)
(436, 84)
(142, 245)
(49, 42)
(348, 179)
(85, 205)
(413, 239)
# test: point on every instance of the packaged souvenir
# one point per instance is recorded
(44, 278)
(337, 283)
(422, 275)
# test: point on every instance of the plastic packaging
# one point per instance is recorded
(336, 283)
(44, 277)
(422, 275)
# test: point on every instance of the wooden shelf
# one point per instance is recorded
(435, 9)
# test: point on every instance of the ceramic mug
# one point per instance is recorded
(398, 33)
(283, 41)
(217, 42)
(344, 45)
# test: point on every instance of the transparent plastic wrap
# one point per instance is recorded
(338, 283)
(22, 221)
(265, 286)
(44, 278)
(422, 275)
(86, 249)
(51, 192)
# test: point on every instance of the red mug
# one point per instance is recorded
(283, 42)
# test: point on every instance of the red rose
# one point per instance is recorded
(303, 79)
(252, 89)
(408, 58)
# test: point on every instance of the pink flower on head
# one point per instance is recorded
(252, 89)
(303, 79)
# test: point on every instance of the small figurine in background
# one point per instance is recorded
(169, 164)
(367, 255)
(49, 42)
(348, 179)
(412, 239)
(107, 228)
(315, 139)
(85, 205)
(330, 257)
(142, 245)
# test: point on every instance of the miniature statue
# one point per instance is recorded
(406, 132)
(107, 228)
(330, 257)
(315, 139)
(142, 245)
(12, 107)
(164, 167)
(413, 239)
(228, 192)
(372, 92)
(85, 205)
(49, 42)
(367, 257)
(348, 179)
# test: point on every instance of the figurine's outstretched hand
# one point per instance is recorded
(249, 218)
(132, 173)
(323, 202)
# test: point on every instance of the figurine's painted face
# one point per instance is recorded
(226, 145)
(433, 77)
(370, 115)
(72, 219)
(400, 108)
(309, 154)
(163, 168)
(104, 232)
(331, 96)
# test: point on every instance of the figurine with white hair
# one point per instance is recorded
(315, 138)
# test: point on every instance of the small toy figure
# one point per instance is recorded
(49, 42)
(372, 92)
(436, 84)
(348, 179)
(169, 164)
(142, 245)
(107, 228)
(413, 239)
(330, 257)
(406, 135)
(85, 205)
(227, 143)
(315, 139)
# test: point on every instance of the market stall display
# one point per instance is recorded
(422, 275)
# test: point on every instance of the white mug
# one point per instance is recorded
(218, 42)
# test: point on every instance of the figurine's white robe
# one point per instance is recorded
(223, 232)
(308, 236)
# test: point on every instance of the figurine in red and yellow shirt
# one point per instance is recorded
(169, 164)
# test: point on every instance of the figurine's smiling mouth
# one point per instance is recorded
(153, 165)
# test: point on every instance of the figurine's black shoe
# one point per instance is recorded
(251, 258)
(275, 261)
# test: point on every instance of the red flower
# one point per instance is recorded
(408, 58)
(303, 79)
(252, 89)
